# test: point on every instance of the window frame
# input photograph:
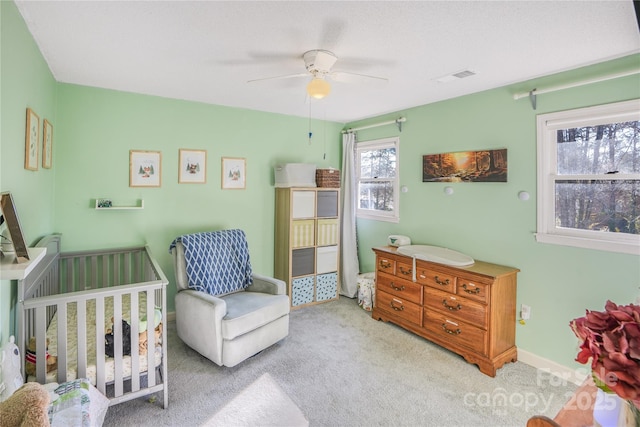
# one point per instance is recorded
(379, 144)
(547, 126)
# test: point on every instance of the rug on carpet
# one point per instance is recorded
(263, 403)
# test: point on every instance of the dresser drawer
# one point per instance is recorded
(455, 332)
(404, 271)
(473, 289)
(436, 279)
(405, 309)
(388, 265)
(400, 288)
(456, 306)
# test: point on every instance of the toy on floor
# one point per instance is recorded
(26, 407)
(10, 363)
(30, 358)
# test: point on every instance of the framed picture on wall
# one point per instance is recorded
(47, 144)
(192, 167)
(233, 173)
(145, 168)
(31, 141)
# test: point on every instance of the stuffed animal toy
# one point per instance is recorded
(26, 407)
(143, 340)
(30, 358)
(109, 347)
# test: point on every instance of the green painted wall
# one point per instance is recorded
(97, 128)
(25, 81)
(487, 220)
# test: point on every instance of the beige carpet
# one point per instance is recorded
(263, 403)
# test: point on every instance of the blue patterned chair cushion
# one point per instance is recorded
(217, 261)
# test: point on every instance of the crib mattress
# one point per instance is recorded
(72, 340)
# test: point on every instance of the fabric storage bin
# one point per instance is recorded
(327, 204)
(328, 232)
(302, 290)
(326, 259)
(302, 261)
(304, 204)
(366, 290)
(295, 175)
(327, 286)
(302, 233)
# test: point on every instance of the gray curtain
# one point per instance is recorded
(349, 264)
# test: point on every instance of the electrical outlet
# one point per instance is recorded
(525, 312)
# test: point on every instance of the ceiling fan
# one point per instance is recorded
(318, 63)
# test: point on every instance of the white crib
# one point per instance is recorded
(70, 298)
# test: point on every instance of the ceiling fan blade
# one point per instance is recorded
(344, 76)
(288, 76)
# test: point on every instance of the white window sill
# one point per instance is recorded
(378, 217)
(632, 248)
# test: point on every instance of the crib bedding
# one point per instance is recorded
(72, 340)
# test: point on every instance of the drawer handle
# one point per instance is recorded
(396, 308)
(405, 271)
(451, 307)
(385, 264)
(474, 291)
(401, 288)
(451, 331)
(440, 282)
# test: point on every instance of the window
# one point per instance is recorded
(589, 177)
(377, 176)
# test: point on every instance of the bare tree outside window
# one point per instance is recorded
(589, 177)
(377, 179)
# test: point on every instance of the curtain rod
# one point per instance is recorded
(580, 83)
(397, 121)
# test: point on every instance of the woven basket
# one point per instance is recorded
(328, 178)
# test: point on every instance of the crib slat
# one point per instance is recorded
(135, 342)
(81, 325)
(117, 341)
(100, 339)
(94, 271)
(151, 336)
(61, 340)
(41, 347)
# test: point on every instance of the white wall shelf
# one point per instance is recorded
(139, 204)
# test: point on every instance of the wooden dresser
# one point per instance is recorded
(468, 310)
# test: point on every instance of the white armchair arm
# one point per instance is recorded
(194, 310)
(267, 285)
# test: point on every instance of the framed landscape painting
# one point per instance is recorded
(466, 166)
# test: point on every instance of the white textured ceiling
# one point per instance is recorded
(206, 51)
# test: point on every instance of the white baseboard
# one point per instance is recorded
(171, 316)
(576, 376)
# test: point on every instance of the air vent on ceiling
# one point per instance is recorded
(456, 76)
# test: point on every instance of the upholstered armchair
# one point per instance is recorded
(223, 310)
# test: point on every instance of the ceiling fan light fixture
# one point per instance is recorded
(318, 88)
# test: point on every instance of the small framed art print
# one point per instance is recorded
(31, 141)
(193, 167)
(145, 168)
(47, 144)
(233, 173)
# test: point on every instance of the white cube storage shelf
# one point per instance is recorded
(308, 243)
